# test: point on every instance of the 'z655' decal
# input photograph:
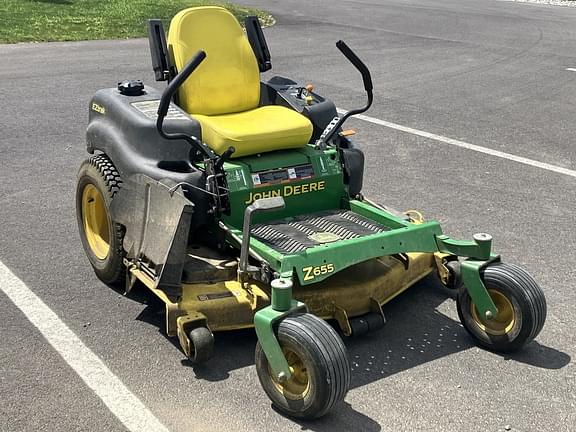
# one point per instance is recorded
(312, 272)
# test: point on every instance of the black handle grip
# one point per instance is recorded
(229, 152)
(358, 64)
(177, 82)
(225, 156)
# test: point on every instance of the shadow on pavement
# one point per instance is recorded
(232, 350)
(535, 354)
(343, 418)
(415, 333)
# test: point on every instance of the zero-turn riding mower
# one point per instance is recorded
(238, 203)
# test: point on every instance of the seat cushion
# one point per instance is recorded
(259, 130)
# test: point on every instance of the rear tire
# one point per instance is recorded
(319, 363)
(521, 309)
(98, 183)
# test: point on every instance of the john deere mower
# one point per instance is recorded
(238, 202)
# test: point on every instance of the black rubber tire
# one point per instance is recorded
(99, 171)
(326, 361)
(527, 300)
(201, 345)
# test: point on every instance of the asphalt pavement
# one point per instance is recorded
(490, 73)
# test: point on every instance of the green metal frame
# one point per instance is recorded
(472, 280)
(479, 253)
(403, 236)
(281, 306)
(323, 261)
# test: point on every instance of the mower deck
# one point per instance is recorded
(204, 265)
(226, 304)
(212, 294)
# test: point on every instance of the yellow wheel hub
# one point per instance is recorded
(504, 320)
(298, 386)
(95, 220)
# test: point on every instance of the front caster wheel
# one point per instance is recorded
(521, 309)
(201, 345)
(319, 364)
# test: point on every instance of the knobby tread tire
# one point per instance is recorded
(100, 171)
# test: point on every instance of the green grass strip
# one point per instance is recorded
(69, 20)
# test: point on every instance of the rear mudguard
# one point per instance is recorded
(156, 216)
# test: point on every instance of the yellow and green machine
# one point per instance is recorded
(238, 202)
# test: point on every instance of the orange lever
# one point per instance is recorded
(347, 132)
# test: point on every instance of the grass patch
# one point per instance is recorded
(67, 20)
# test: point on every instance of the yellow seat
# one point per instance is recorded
(223, 93)
(256, 131)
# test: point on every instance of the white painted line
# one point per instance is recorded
(462, 144)
(571, 69)
(107, 386)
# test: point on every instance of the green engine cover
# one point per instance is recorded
(310, 180)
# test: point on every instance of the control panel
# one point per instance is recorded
(320, 111)
(283, 175)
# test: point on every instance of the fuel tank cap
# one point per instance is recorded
(131, 87)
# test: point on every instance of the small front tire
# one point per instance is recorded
(319, 364)
(201, 344)
(521, 309)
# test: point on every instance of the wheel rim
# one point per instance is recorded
(95, 221)
(503, 322)
(298, 386)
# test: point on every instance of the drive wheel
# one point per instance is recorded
(319, 364)
(98, 182)
(521, 309)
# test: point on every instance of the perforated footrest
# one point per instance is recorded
(295, 235)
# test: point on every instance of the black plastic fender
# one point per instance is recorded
(124, 128)
(353, 161)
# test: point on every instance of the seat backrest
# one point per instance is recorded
(228, 80)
